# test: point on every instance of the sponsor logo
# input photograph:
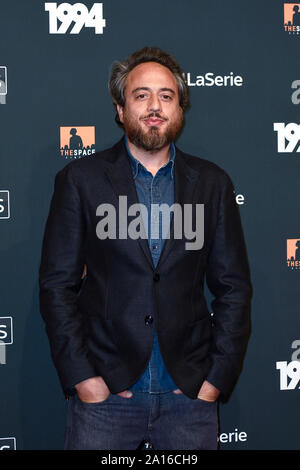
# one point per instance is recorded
(63, 16)
(3, 84)
(288, 136)
(236, 436)
(289, 372)
(210, 79)
(6, 336)
(77, 142)
(296, 94)
(4, 204)
(293, 253)
(291, 14)
(8, 443)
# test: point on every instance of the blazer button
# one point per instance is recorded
(148, 320)
(156, 276)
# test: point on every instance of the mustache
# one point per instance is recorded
(152, 115)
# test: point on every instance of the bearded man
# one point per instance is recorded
(139, 356)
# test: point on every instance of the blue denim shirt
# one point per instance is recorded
(156, 189)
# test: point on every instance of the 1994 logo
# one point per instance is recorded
(78, 14)
(290, 371)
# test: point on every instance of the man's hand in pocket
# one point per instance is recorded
(95, 390)
(207, 392)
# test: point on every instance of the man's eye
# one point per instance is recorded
(142, 95)
(167, 97)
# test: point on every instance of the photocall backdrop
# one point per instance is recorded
(241, 61)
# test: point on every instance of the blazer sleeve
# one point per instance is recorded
(61, 268)
(228, 279)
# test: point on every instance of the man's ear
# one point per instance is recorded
(120, 110)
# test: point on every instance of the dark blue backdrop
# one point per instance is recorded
(60, 80)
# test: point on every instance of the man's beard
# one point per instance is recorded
(151, 139)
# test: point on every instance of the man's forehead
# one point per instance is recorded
(151, 73)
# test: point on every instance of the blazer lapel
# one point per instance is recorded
(185, 179)
(120, 175)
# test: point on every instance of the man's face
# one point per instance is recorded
(152, 116)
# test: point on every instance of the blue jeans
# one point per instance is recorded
(166, 420)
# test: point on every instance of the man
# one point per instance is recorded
(137, 352)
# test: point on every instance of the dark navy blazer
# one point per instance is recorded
(104, 327)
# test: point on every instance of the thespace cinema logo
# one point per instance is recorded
(77, 141)
(66, 18)
(293, 253)
(291, 13)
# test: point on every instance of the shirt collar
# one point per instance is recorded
(136, 164)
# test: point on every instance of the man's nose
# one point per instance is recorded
(154, 104)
